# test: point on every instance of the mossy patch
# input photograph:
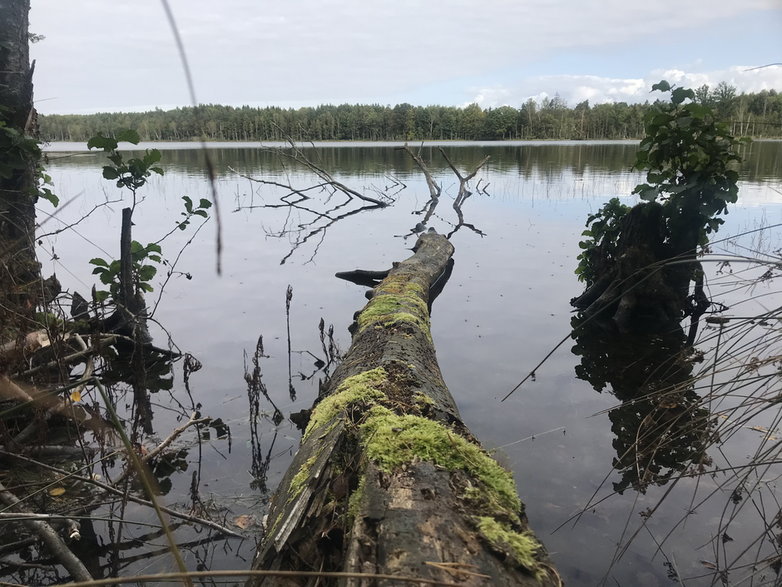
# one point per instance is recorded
(364, 387)
(398, 301)
(354, 502)
(422, 400)
(402, 284)
(521, 546)
(300, 479)
(392, 441)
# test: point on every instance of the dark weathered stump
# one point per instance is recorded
(388, 480)
(643, 284)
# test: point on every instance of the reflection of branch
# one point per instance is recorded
(435, 191)
(299, 198)
(255, 385)
(49, 537)
(322, 231)
(463, 194)
(255, 388)
(124, 494)
(132, 543)
(389, 191)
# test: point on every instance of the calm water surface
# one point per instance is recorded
(505, 307)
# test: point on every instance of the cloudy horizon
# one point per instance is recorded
(121, 56)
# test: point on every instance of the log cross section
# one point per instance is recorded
(388, 480)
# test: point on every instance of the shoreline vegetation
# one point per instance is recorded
(758, 115)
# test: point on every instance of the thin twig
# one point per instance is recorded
(292, 574)
(193, 421)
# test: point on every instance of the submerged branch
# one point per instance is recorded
(49, 536)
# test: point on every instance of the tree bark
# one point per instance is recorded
(388, 480)
(20, 273)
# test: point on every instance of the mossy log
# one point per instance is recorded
(388, 480)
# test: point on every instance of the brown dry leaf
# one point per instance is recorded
(57, 491)
(244, 521)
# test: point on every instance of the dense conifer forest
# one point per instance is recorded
(758, 115)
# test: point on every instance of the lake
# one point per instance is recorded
(504, 309)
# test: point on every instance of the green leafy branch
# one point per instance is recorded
(109, 271)
(692, 170)
(691, 161)
(599, 248)
(131, 173)
(190, 211)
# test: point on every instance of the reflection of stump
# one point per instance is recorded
(637, 289)
(388, 480)
(661, 427)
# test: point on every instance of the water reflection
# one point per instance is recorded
(506, 301)
(109, 401)
(532, 159)
(661, 427)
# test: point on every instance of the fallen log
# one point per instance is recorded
(388, 480)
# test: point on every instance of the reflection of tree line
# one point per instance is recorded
(763, 159)
(661, 428)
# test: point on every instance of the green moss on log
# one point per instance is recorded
(361, 388)
(421, 399)
(399, 300)
(300, 479)
(354, 502)
(392, 441)
(522, 547)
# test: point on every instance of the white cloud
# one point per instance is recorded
(576, 88)
(101, 54)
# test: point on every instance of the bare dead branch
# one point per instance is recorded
(193, 421)
(294, 198)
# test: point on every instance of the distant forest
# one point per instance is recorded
(757, 115)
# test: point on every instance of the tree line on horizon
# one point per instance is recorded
(754, 114)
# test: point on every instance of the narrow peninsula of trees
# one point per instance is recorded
(758, 115)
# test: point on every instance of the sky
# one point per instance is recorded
(117, 55)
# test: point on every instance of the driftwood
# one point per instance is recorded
(388, 480)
